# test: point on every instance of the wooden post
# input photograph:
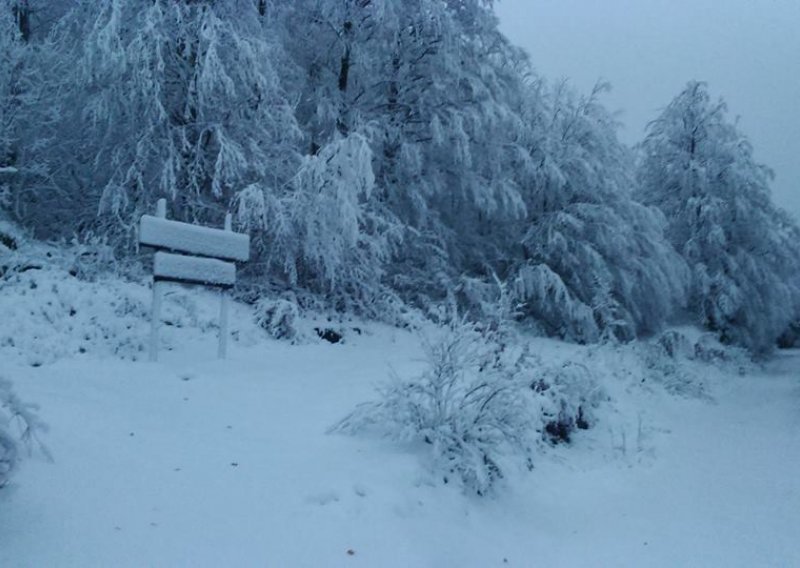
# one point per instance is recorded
(222, 352)
(155, 317)
(224, 308)
(155, 320)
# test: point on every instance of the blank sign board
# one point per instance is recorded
(182, 237)
(211, 251)
(194, 270)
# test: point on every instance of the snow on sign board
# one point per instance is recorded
(193, 269)
(183, 237)
(206, 263)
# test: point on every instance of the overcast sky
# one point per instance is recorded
(748, 51)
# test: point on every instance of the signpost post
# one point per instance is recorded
(204, 256)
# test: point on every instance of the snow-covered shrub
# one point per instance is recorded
(19, 427)
(571, 393)
(16, 253)
(89, 257)
(472, 406)
(791, 337)
(665, 363)
(278, 317)
(682, 364)
(708, 349)
(675, 344)
(9, 236)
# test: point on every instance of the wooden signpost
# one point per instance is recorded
(205, 257)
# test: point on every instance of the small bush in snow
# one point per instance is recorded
(709, 349)
(664, 363)
(278, 318)
(791, 337)
(19, 426)
(90, 257)
(679, 363)
(676, 345)
(571, 393)
(12, 258)
(9, 235)
(472, 406)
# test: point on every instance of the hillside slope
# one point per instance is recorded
(200, 462)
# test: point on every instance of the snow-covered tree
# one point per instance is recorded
(167, 99)
(447, 139)
(427, 84)
(374, 149)
(9, 53)
(699, 170)
(27, 108)
(595, 261)
(14, 35)
(321, 235)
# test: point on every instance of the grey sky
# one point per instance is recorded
(747, 50)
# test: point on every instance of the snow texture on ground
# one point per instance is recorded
(194, 461)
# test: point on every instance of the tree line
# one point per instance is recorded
(386, 154)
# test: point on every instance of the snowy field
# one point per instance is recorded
(193, 461)
(405, 162)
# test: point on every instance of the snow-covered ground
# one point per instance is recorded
(194, 461)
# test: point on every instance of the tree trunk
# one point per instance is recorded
(344, 78)
(22, 15)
